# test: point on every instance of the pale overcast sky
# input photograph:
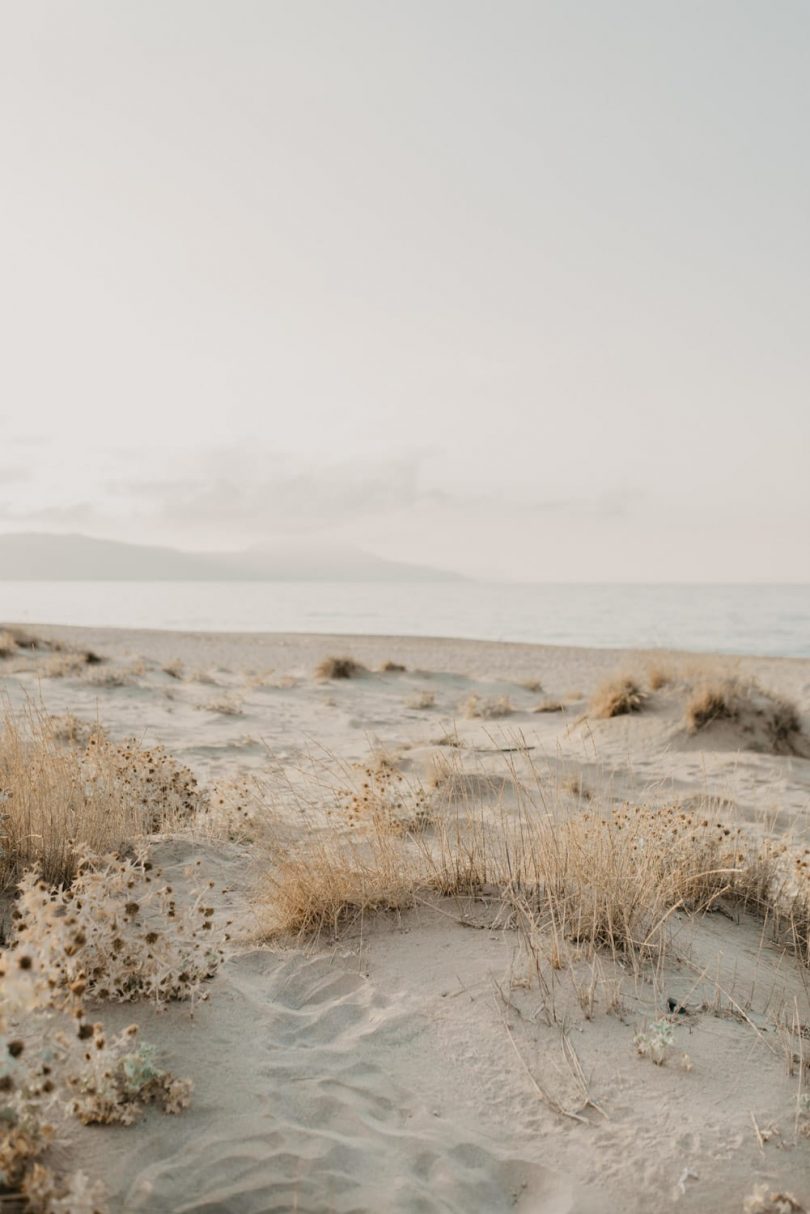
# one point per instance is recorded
(518, 289)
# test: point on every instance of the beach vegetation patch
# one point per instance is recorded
(58, 796)
(339, 668)
(766, 719)
(617, 697)
(487, 708)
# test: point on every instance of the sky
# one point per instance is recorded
(515, 289)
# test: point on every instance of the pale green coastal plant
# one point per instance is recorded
(118, 1080)
(655, 1042)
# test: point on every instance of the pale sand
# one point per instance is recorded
(383, 1071)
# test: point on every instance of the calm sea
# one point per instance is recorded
(726, 619)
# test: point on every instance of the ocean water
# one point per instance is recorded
(756, 619)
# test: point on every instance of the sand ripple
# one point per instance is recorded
(316, 1122)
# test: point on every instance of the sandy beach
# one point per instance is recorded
(403, 478)
(429, 1052)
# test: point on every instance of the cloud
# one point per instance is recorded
(612, 503)
(248, 492)
(75, 514)
(237, 496)
(14, 474)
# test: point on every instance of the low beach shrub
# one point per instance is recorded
(8, 645)
(28, 640)
(617, 697)
(67, 727)
(225, 706)
(339, 668)
(659, 676)
(768, 719)
(54, 1061)
(764, 1199)
(488, 709)
(112, 676)
(117, 932)
(62, 666)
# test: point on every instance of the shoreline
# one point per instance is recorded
(307, 639)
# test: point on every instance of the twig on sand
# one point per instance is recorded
(572, 1058)
(502, 750)
(542, 1093)
(738, 1013)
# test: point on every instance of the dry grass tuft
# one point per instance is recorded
(235, 811)
(57, 798)
(378, 796)
(114, 676)
(595, 882)
(577, 787)
(67, 727)
(393, 668)
(8, 645)
(421, 699)
(339, 668)
(268, 680)
(659, 676)
(363, 862)
(58, 660)
(323, 889)
(451, 784)
(487, 709)
(549, 706)
(450, 739)
(767, 718)
(204, 677)
(226, 706)
(27, 640)
(63, 665)
(616, 697)
(717, 702)
(766, 1200)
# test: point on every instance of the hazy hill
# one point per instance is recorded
(42, 557)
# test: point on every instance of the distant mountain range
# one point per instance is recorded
(38, 557)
